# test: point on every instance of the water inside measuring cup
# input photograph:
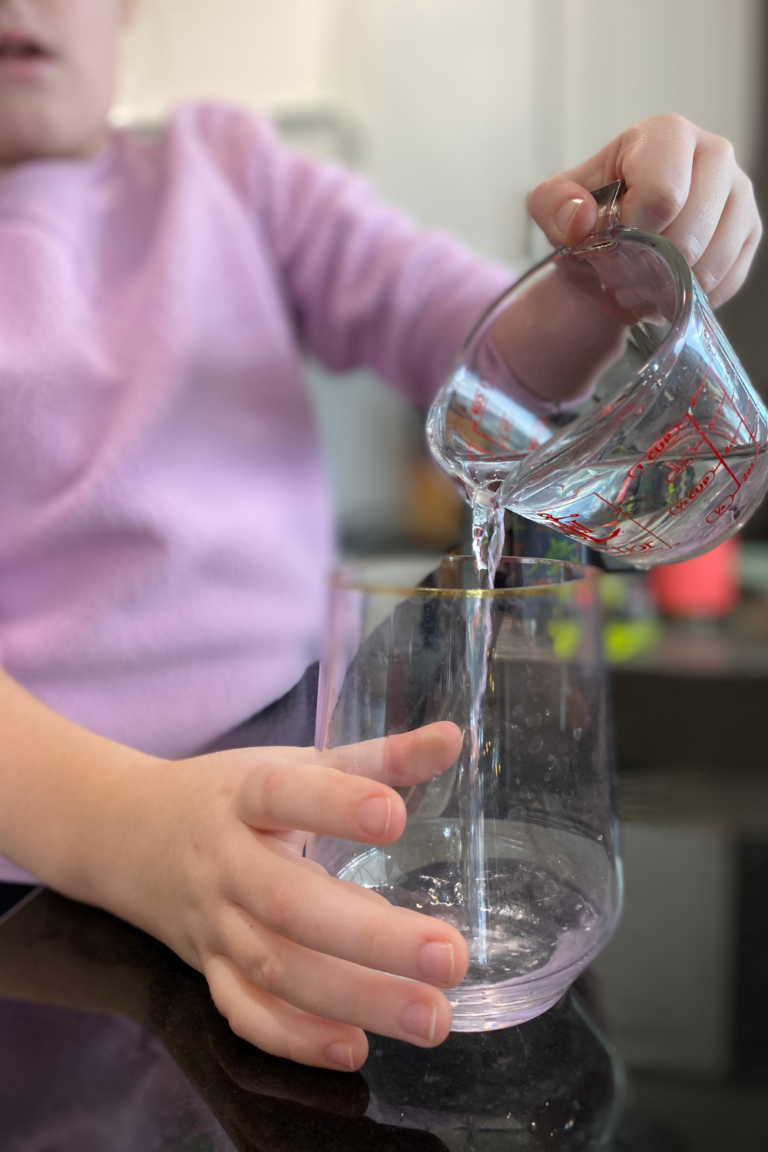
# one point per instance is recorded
(639, 510)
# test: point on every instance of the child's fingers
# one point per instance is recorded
(284, 795)
(655, 159)
(331, 988)
(564, 210)
(694, 227)
(730, 285)
(736, 237)
(343, 920)
(401, 760)
(279, 1028)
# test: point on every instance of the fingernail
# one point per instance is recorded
(374, 816)
(420, 1020)
(341, 1056)
(565, 216)
(436, 962)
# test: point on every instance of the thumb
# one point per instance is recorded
(564, 210)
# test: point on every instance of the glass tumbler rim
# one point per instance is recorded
(348, 577)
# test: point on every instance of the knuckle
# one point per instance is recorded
(674, 122)
(722, 149)
(269, 974)
(664, 201)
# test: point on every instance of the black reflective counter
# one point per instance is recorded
(107, 1041)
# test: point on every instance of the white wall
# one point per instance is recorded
(257, 52)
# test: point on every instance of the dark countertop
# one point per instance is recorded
(108, 1042)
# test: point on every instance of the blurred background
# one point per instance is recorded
(455, 109)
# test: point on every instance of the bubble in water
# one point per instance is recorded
(536, 744)
(534, 721)
(518, 710)
(577, 733)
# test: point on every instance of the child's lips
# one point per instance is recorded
(20, 55)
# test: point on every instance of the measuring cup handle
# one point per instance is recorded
(609, 200)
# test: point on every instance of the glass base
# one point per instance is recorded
(487, 1007)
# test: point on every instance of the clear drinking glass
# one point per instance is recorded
(518, 847)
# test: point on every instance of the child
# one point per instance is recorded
(156, 452)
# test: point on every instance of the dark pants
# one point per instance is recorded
(289, 722)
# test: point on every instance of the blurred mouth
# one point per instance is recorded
(22, 56)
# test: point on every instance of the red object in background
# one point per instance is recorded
(706, 587)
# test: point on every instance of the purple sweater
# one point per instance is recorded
(156, 439)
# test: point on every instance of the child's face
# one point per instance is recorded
(58, 64)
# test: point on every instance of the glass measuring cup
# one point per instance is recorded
(653, 448)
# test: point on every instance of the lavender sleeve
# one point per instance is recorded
(364, 284)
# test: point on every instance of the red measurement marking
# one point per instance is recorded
(479, 405)
(477, 411)
(713, 422)
(573, 528)
(626, 516)
(717, 454)
(632, 549)
(678, 467)
(694, 493)
(697, 394)
(731, 443)
(656, 451)
(716, 513)
(732, 403)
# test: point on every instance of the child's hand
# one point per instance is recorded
(681, 182)
(297, 961)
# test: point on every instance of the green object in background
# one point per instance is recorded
(566, 638)
(631, 626)
(625, 639)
